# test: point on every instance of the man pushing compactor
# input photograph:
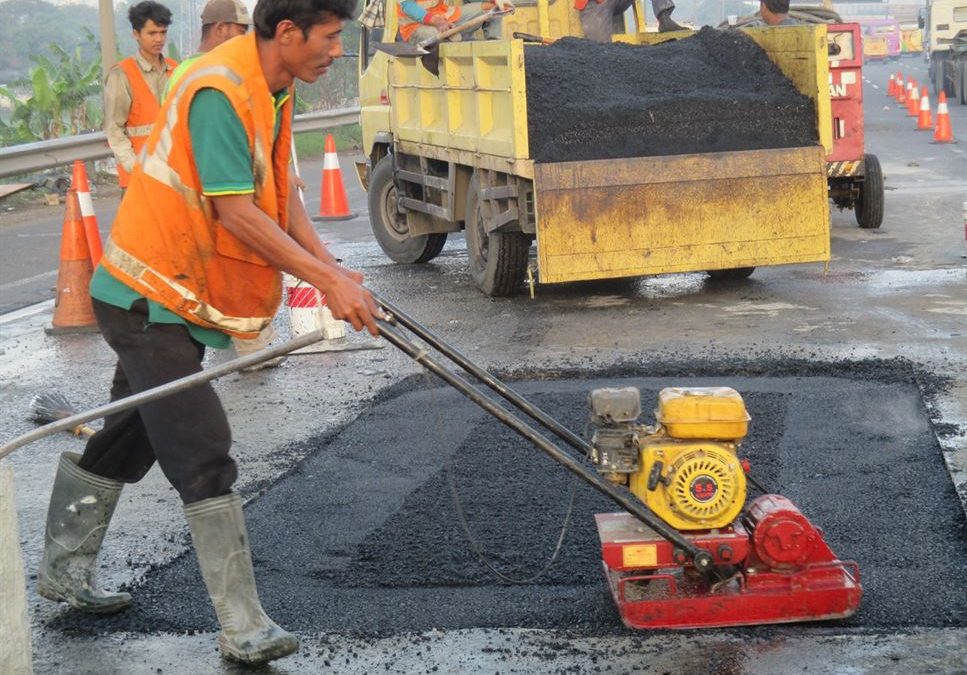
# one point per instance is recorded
(194, 258)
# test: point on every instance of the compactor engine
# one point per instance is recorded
(768, 563)
(685, 468)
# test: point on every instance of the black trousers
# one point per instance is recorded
(187, 433)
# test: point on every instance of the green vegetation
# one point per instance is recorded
(63, 97)
(313, 143)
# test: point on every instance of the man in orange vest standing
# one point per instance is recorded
(135, 87)
(423, 19)
(194, 257)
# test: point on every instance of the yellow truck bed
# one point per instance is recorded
(628, 217)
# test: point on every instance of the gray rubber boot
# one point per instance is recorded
(666, 24)
(221, 542)
(81, 506)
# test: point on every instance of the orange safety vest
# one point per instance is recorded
(144, 108)
(432, 7)
(166, 241)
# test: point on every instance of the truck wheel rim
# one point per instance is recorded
(395, 221)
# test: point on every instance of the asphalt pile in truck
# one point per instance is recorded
(715, 91)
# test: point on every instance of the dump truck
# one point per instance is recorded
(450, 151)
(944, 23)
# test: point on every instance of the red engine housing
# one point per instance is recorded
(778, 569)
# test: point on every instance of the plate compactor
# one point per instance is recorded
(771, 565)
(683, 553)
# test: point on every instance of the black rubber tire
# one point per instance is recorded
(869, 203)
(497, 262)
(389, 226)
(736, 274)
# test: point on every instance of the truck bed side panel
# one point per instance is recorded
(654, 215)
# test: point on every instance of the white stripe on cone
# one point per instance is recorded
(308, 311)
(87, 204)
(330, 161)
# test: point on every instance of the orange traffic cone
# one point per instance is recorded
(913, 103)
(925, 119)
(891, 88)
(73, 312)
(901, 95)
(943, 133)
(83, 188)
(333, 204)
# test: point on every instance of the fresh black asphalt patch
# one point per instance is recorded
(362, 537)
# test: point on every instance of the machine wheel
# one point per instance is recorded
(389, 225)
(498, 261)
(736, 274)
(869, 203)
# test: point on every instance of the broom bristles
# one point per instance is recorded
(50, 407)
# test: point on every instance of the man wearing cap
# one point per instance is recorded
(134, 87)
(221, 20)
(776, 13)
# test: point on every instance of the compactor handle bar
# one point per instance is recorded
(701, 559)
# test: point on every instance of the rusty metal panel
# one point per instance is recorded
(654, 215)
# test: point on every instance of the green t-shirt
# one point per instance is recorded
(223, 158)
(224, 164)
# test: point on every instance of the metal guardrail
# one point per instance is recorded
(27, 157)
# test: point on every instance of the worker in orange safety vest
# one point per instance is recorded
(134, 88)
(195, 255)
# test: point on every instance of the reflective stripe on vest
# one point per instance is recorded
(187, 301)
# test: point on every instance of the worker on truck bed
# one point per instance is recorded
(597, 16)
(194, 257)
(423, 19)
(776, 13)
(134, 88)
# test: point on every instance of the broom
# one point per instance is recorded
(51, 407)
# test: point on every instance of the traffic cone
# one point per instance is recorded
(913, 103)
(925, 119)
(891, 88)
(943, 133)
(83, 188)
(333, 204)
(73, 312)
(308, 311)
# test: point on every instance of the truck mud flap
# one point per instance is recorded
(609, 218)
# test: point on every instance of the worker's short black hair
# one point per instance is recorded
(777, 6)
(139, 14)
(303, 13)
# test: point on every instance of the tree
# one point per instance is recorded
(63, 96)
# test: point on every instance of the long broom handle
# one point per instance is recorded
(163, 390)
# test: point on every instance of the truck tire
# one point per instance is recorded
(736, 274)
(389, 226)
(498, 261)
(869, 204)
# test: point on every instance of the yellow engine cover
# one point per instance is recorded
(701, 484)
